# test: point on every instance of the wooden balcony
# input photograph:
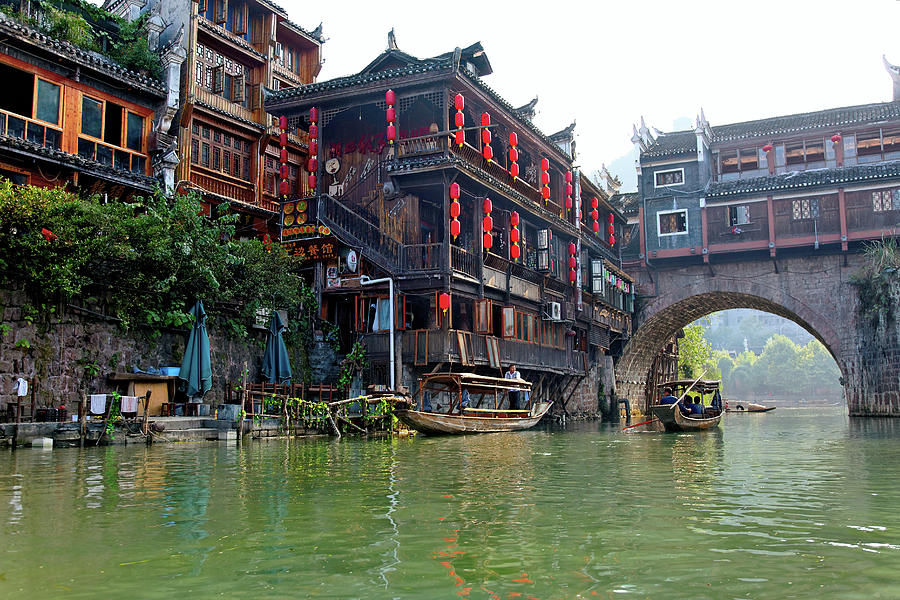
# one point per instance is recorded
(472, 156)
(423, 257)
(219, 103)
(226, 187)
(279, 69)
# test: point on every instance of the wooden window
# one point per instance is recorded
(672, 222)
(199, 74)
(203, 6)
(805, 208)
(91, 117)
(221, 11)
(891, 141)
(237, 89)
(239, 18)
(221, 151)
(670, 177)
(738, 215)
(483, 316)
(134, 134)
(47, 103)
(195, 151)
(728, 161)
(509, 322)
(885, 200)
(793, 154)
(749, 160)
(218, 79)
(815, 150)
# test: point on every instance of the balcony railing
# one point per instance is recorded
(464, 262)
(472, 156)
(28, 129)
(423, 257)
(420, 146)
(363, 232)
(227, 189)
(222, 104)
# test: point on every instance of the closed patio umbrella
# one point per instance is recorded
(195, 368)
(276, 366)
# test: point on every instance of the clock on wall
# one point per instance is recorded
(332, 166)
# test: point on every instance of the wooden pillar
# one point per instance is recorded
(705, 233)
(641, 232)
(842, 209)
(771, 209)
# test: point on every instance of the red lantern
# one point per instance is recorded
(485, 119)
(312, 165)
(767, 148)
(284, 187)
(313, 147)
(596, 227)
(545, 193)
(488, 241)
(444, 301)
(389, 97)
(595, 214)
(611, 229)
(391, 114)
(454, 191)
(282, 139)
(513, 155)
(514, 235)
(610, 217)
(612, 240)
(459, 119)
(454, 210)
(545, 164)
(284, 155)
(458, 102)
(314, 131)
(514, 218)
(460, 137)
(836, 138)
(569, 202)
(488, 223)
(487, 152)
(285, 171)
(572, 248)
(545, 178)
(454, 228)
(313, 114)
(487, 206)
(485, 136)
(572, 263)
(569, 178)
(513, 139)
(572, 275)
(568, 189)
(391, 133)
(312, 181)
(514, 170)
(594, 203)
(515, 252)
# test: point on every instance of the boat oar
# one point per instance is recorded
(688, 389)
(637, 424)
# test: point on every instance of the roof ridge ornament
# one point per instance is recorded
(894, 72)
(392, 41)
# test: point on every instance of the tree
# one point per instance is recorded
(693, 351)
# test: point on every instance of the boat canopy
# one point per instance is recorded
(703, 386)
(474, 383)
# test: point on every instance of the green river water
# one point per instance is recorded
(790, 504)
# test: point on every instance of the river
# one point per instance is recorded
(789, 504)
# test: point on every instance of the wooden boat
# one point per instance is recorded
(670, 415)
(436, 406)
(750, 407)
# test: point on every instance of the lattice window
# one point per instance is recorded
(800, 209)
(885, 200)
(220, 151)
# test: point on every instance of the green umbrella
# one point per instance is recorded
(276, 366)
(195, 368)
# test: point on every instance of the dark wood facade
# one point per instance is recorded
(391, 204)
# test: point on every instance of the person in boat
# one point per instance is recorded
(668, 398)
(426, 401)
(464, 400)
(513, 394)
(697, 406)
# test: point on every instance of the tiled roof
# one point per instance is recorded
(834, 118)
(627, 203)
(78, 163)
(805, 179)
(672, 144)
(85, 58)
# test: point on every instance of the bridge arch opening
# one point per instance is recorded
(664, 317)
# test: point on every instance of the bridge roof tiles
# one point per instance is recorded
(816, 178)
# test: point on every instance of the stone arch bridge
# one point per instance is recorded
(814, 291)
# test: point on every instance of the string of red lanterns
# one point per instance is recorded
(595, 215)
(459, 119)
(488, 223)
(391, 115)
(514, 250)
(284, 186)
(513, 155)
(313, 146)
(486, 149)
(545, 179)
(611, 228)
(454, 209)
(568, 190)
(573, 262)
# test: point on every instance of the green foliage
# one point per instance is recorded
(5, 329)
(23, 343)
(355, 361)
(876, 281)
(693, 352)
(115, 414)
(70, 27)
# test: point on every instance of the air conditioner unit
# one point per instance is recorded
(553, 311)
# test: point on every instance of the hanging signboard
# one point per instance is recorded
(297, 220)
(314, 249)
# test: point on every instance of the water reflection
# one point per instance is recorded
(792, 496)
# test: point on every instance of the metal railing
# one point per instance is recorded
(362, 232)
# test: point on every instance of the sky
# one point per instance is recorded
(606, 64)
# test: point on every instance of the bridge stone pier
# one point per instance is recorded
(814, 291)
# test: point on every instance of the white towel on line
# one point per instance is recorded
(98, 404)
(129, 404)
(21, 386)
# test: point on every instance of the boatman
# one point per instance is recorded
(668, 398)
(513, 394)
